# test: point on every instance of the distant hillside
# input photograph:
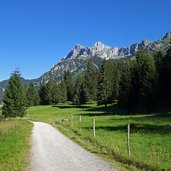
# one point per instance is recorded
(4, 83)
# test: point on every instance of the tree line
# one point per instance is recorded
(141, 81)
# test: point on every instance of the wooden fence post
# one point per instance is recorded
(94, 127)
(129, 146)
(80, 122)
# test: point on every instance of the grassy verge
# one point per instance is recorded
(150, 134)
(14, 144)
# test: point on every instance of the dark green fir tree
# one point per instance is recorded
(80, 95)
(32, 95)
(90, 81)
(62, 92)
(69, 85)
(147, 77)
(14, 101)
(107, 84)
(125, 85)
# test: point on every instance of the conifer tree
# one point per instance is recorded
(108, 83)
(51, 91)
(111, 81)
(115, 75)
(90, 81)
(32, 95)
(83, 95)
(80, 95)
(125, 85)
(147, 77)
(43, 93)
(62, 92)
(102, 96)
(69, 85)
(166, 75)
(14, 98)
(76, 98)
(159, 58)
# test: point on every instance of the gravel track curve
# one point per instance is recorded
(52, 151)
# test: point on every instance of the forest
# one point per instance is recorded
(140, 83)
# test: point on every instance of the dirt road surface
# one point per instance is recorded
(52, 151)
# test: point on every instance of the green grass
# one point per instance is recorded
(150, 134)
(14, 144)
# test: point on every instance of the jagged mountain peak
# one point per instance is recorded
(145, 42)
(104, 51)
(78, 50)
(168, 34)
(100, 46)
(78, 46)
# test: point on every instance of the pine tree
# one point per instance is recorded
(69, 85)
(159, 58)
(62, 92)
(91, 81)
(147, 77)
(14, 98)
(80, 95)
(51, 91)
(111, 81)
(105, 84)
(43, 93)
(48, 92)
(166, 75)
(125, 85)
(76, 99)
(102, 96)
(83, 95)
(32, 95)
(115, 76)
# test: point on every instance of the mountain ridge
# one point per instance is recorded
(76, 60)
(112, 52)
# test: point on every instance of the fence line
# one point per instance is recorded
(79, 127)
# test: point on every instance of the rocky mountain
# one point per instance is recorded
(77, 59)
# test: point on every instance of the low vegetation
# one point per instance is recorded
(139, 84)
(14, 144)
(150, 133)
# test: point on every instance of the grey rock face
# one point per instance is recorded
(105, 52)
(76, 60)
(168, 34)
(77, 51)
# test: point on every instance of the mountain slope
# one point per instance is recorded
(77, 58)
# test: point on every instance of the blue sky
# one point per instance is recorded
(35, 34)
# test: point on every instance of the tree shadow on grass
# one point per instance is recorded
(112, 109)
(152, 117)
(137, 128)
(115, 109)
(70, 107)
(96, 114)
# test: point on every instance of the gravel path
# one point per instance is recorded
(52, 151)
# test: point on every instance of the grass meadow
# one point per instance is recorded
(14, 144)
(150, 133)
